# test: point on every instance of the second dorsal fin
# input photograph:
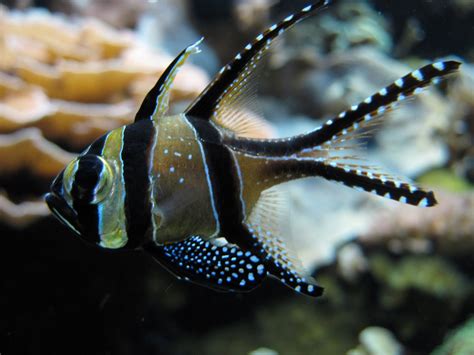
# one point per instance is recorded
(156, 101)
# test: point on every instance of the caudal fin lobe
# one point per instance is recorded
(357, 117)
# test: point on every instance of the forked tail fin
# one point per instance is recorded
(347, 122)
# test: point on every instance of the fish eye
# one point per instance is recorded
(88, 179)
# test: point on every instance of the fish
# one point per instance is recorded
(202, 191)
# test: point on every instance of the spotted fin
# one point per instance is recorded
(366, 113)
(221, 267)
(235, 86)
(348, 124)
(366, 178)
(357, 176)
(155, 104)
(268, 224)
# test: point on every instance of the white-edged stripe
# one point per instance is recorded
(208, 179)
(241, 183)
(64, 220)
(150, 179)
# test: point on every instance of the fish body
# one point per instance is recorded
(201, 191)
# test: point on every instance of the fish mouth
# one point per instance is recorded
(62, 211)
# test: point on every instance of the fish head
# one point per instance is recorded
(85, 198)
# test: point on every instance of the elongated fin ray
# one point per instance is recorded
(155, 104)
(347, 122)
(235, 76)
(221, 267)
(359, 177)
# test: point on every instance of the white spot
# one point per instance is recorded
(381, 110)
(368, 100)
(298, 288)
(238, 56)
(251, 277)
(310, 288)
(439, 66)
(418, 91)
(355, 125)
(242, 283)
(254, 259)
(383, 92)
(172, 169)
(165, 151)
(342, 114)
(259, 37)
(289, 18)
(307, 8)
(387, 195)
(354, 108)
(403, 199)
(399, 83)
(273, 27)
(423, 202)
(367, 117)
(417, 75)
(329, 122)
(248, 47)
(401, 97)
(178, 154)
(190, 156)
(260, 269)
(181, 180)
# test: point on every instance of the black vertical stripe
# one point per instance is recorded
(88, 214)
(225, 184)
(137, 144)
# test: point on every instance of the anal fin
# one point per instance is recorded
(268, 224)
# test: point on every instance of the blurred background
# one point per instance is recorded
(398, 279)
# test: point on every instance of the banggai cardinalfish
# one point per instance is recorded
(201, 191)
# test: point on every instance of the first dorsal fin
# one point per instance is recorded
(234, 85)
(155, 104)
